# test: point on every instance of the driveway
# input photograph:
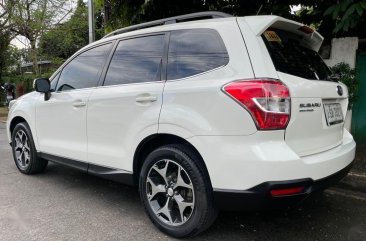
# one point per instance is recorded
(64, 204)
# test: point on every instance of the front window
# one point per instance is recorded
(84, 70)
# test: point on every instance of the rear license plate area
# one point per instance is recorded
(333, 113)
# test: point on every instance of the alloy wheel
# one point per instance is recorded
(22, 149)
(170, 192)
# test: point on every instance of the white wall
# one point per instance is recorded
(343, 50)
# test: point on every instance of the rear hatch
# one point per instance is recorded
(318, 103)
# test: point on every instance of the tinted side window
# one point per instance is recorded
(136, 60)
(195, 51)
(84, 70)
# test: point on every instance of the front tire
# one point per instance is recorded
(176, 191)
(24, 151)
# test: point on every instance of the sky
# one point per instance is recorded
(20, 42)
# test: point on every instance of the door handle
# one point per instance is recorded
(79, 104)
(149, 98)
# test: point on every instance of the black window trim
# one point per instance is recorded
(163, 72)
(112, 42)
(54, 75)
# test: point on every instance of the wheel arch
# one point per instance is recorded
(154, 141)
(16, 120)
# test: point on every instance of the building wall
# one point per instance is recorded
(343, 50)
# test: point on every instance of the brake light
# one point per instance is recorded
(268, 101)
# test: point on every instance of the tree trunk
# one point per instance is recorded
(34, 56)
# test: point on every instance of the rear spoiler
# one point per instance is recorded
(311, 38)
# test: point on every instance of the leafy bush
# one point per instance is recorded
(25, 80)
(348, 76)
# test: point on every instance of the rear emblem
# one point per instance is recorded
(309, 107)
(339, 90)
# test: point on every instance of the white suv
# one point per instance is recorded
(202, 115)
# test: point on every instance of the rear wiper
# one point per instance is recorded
(333, 77)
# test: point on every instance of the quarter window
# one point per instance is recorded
(136, 60)
(84, 70)
(195, 51)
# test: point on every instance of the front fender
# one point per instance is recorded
(25, 109)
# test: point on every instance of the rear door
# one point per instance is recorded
(126, 108)
(318, 104)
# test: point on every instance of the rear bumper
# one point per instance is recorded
(244, 162)
(259, 197)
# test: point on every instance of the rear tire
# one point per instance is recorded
(176, 191)
(24, 151)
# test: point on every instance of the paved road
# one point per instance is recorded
(64, 204)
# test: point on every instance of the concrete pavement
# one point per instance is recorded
(64, 204)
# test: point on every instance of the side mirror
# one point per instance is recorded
(43, 85)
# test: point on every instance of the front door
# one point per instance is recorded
(61, 121)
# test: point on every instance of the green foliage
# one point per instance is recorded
(156, 9)
(4, 45)
(31, 18)
(26, 80)
(348, 76)
(13, 59)
(65, 39)
(348, 14)
(9, 55)
(118, 14)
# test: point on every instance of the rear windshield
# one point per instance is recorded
(290, 57)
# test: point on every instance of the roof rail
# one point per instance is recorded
(181, 18)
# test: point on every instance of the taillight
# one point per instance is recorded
(268, 101)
